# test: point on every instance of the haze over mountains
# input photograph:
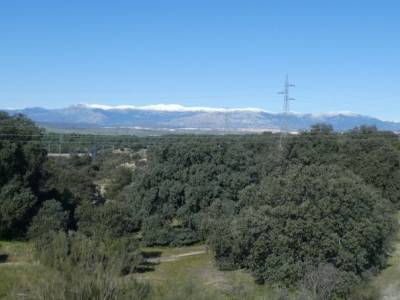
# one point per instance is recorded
(175, 117)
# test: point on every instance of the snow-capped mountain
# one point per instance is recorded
(169, 107)
(178, 117)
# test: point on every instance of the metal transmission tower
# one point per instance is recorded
(286, 108)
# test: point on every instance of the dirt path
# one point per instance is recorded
(174, 257)
(15, 263)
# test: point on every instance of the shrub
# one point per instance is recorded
(87, 268)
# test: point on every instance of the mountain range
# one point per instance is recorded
(173, 117)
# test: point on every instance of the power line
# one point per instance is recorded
(286, 108)
(178, 140)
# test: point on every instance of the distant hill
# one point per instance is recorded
(178, 118)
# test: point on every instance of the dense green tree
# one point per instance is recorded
(306, 216)
(21, 161)
(120, 177)
(17, 203)
(51, 217)
(172, 194)
(318, 146)
(113, 218)
(374, 156)
(71, 181)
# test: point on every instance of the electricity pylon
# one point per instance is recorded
(286, 109)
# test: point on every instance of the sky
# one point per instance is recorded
(343, 55)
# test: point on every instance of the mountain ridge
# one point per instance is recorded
(178, 117)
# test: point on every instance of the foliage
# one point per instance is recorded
(71, 181)
(21, 163)
(113, 218)
(62, 250)
(304, 217)
(120, 178)
(51, 217)
(376, 158)
(172, 194)
(86, 268)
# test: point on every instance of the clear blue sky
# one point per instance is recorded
(342, 54)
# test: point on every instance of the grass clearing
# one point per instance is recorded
(199, 270)
(388, 282)
(16, 262)
(12, 275)
(14, 251)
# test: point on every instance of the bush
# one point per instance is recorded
(76, 283)
(87, 268)
(62, 251)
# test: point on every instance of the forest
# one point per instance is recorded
(314, 214)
